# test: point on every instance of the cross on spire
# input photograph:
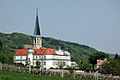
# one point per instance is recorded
(36, 11)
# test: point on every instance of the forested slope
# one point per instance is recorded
(17, 40)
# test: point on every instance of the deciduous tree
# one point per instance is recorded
(94, 56)
(38, 64)
(112, 66)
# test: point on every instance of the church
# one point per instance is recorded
(48, 57)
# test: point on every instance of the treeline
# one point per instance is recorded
(6, 56)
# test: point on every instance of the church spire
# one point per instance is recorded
(37, 40)
(37, 28)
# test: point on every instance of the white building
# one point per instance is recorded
(49, 58)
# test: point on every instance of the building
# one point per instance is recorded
(48, 57)
(99, 63)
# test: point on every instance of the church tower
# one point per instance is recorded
(37, 40)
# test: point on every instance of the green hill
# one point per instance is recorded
(17, 40)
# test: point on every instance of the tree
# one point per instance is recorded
(112, 66)
(116, 56)
(94, 56)
(19, 64)
(85, 66)
(6, 57)
(70, 69)
(38, 64)
(1, 46)
(93, 60)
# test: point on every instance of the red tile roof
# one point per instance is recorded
(21, 52)
(44, 51)
(49, 51)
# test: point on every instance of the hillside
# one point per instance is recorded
(17, 40)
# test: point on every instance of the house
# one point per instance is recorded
(99, 63)
(48, 57)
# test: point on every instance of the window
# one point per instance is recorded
(44, 57)
(37, 40)
(21, 57)
(44, 63)
(36, 57)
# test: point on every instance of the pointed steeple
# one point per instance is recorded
(37, 40)
(37, 28)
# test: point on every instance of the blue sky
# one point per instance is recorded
(95, 23)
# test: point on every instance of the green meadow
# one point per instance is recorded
(10, 75)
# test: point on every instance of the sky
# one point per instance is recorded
(95, 23)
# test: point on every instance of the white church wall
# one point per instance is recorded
(19, 57)
(36, 57)
(30, 58)
(48, 56)
(68, 57)
(60, 57)
(48, 64)
(24, 57)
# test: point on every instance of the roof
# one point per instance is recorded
(21, 52)
(44, 51)
(37, 29)
(99, 62)
(60, 52)
(67, 53)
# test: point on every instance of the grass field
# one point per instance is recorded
(9, 75)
